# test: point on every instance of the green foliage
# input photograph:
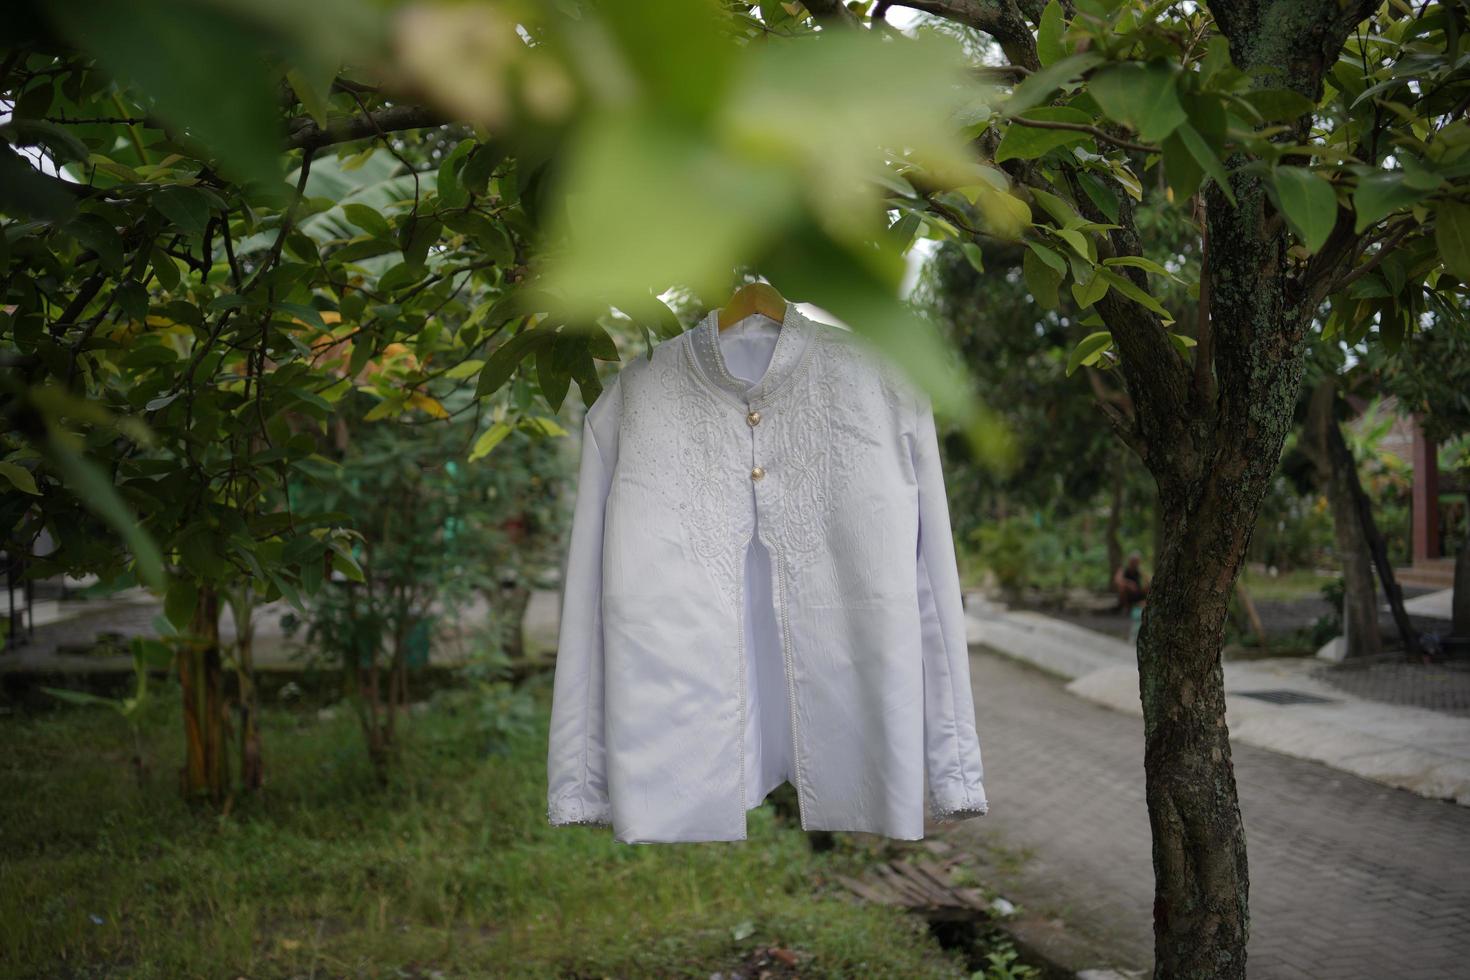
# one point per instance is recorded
(436, 534)
(450, 868)
(1003, 964)
(1041, 552)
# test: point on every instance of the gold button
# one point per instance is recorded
(757, 473)
(754, 418)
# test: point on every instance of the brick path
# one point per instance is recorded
(1349, 878)
(1440, 687)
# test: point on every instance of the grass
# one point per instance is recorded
(1301, 583)
(452, 870)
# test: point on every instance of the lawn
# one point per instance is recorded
(450, 870)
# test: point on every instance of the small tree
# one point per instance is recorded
(439, 534)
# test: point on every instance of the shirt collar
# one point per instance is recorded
(787, 357)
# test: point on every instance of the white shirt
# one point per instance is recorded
(761, 586)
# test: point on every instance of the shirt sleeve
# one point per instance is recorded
(951, 744)
(576, 761)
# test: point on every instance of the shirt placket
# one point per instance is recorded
(765, 477)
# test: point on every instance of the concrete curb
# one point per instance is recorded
(1425, 752)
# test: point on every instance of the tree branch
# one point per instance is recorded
(1001, 19)
(305, 134)
(832, 13)
(1085, 128)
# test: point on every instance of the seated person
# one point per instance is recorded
(1129, 583)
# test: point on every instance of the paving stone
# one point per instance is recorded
(1349, 879)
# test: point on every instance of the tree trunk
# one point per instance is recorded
(1201, 917)
(1360, 598)
(1248, 610)
(252, 766)
(206, 772)
(1115, 518)
(1460, 610)
(1344, 461)
(1211, 433)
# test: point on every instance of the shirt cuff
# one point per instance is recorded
(952, 806)
(574, 811)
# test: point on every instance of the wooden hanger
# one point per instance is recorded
(753, 297)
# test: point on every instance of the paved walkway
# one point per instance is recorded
(85, 636)
(1349, 878)
(1443, 687)
(1402, 746)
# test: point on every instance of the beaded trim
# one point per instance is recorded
(789, 354)
(959, 811)
(566, 813)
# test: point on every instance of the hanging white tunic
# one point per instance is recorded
(761, 587)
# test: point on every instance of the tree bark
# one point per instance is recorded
(1115, 518)
(1344, 462)
(1360, 598)
(1460, 610)
(252, 764)
(1248, 609)
(206, 772)
(1201, 907)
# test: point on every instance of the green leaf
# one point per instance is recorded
(903, 230)
(1061, 210)
(94, 487)
(24, 190)
(132, 299)
(600, 343)
(180, 602)
(1309, 203)
(1077, 240)
(1452, 235)
(1041, 279)
(20, 478)
(544, 425)
(1049, 46)
(554, 365)
(584, 372)
(451, 193)
(1089, 350)
(201, 66)
(488, 440)
(1380, 194)
(1125, 286)
(1089, 292)
(1050, 256)
(1181, 169)
(101, 237)
(152, 653)
(186, 207)
(368, 219)
(1039, 85)
(1205, 156)
(415, 237)
(482, 162)
(313, 91)
(652, 312)
(1217, 56)
(164, 268)
(973, 254)
(81, 698)
(1139, 262)
(1022, 142)
(1100, 193)
(288, 591)
(1278, 104)
(490, 236)
(1140, 96)
(501, 364)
